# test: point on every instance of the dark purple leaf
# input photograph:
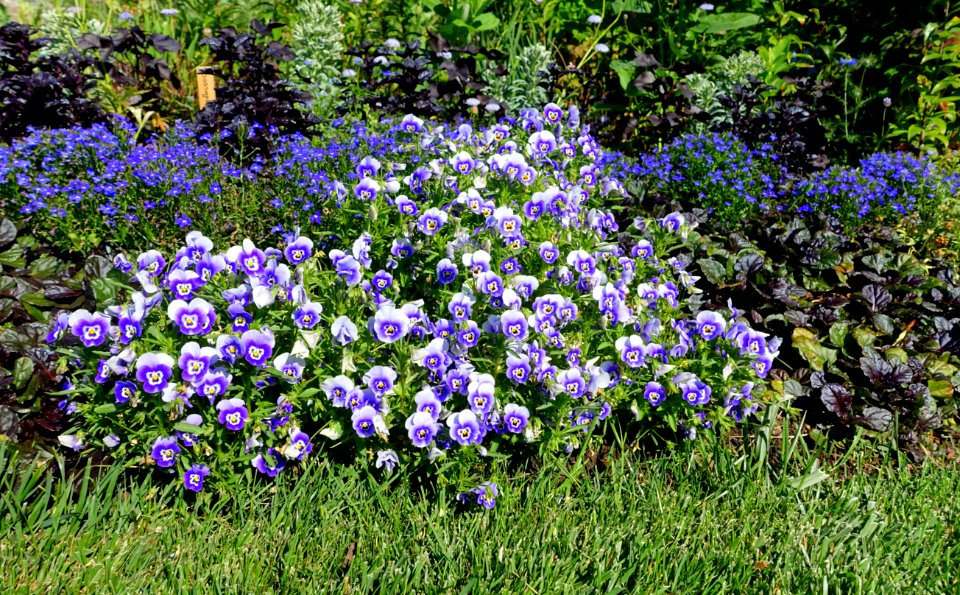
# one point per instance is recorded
(837, 400)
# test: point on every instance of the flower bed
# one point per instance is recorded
(463, 295)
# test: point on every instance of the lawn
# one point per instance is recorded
(670, 524)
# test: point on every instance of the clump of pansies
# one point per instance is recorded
(472, 299)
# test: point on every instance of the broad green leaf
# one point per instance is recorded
(625, 70)
(725, 21)
(13, 257)
(838, 332)
(940, 388)
(105, 408)
(818, 356)
(44, 267)
(486, 22)
(864, 336)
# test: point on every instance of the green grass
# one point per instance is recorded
(667, 525)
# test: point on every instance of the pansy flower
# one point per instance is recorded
(515, 417)
(431, 221)
(307, 315)
(232, 413)
(465, 428)
(337, 389)
(364, 421)
(123, 391)
(389, 325)
(154, 370)
(229, 348)
(290, 367)
(257, 346)
(213, 384)
(195, 361)
(247, 257)
(194, 318)
(183, 283)
(165, 451)
(269, 465)
(421, 428)
(571, 382)
(513, 325)
(380, 380)
(91, 328)
(194, 476)
(710, 325)
(411, 124)
(299, 445)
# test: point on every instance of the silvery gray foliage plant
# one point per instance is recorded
(717, 82)
(318, 42)
(519, 87)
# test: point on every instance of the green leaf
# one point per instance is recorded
(44, 267)
(486, 22)
(864, 336)
(940, 388)
(810, 348)
(715, 272)
(884, 323)
(625, 70)
(726, 21)
(838, 332)
(13, 257)
(192, 429)
(37, 299)
(22, 372)
(105, 408)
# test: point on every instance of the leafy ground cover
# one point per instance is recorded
(687, 522)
